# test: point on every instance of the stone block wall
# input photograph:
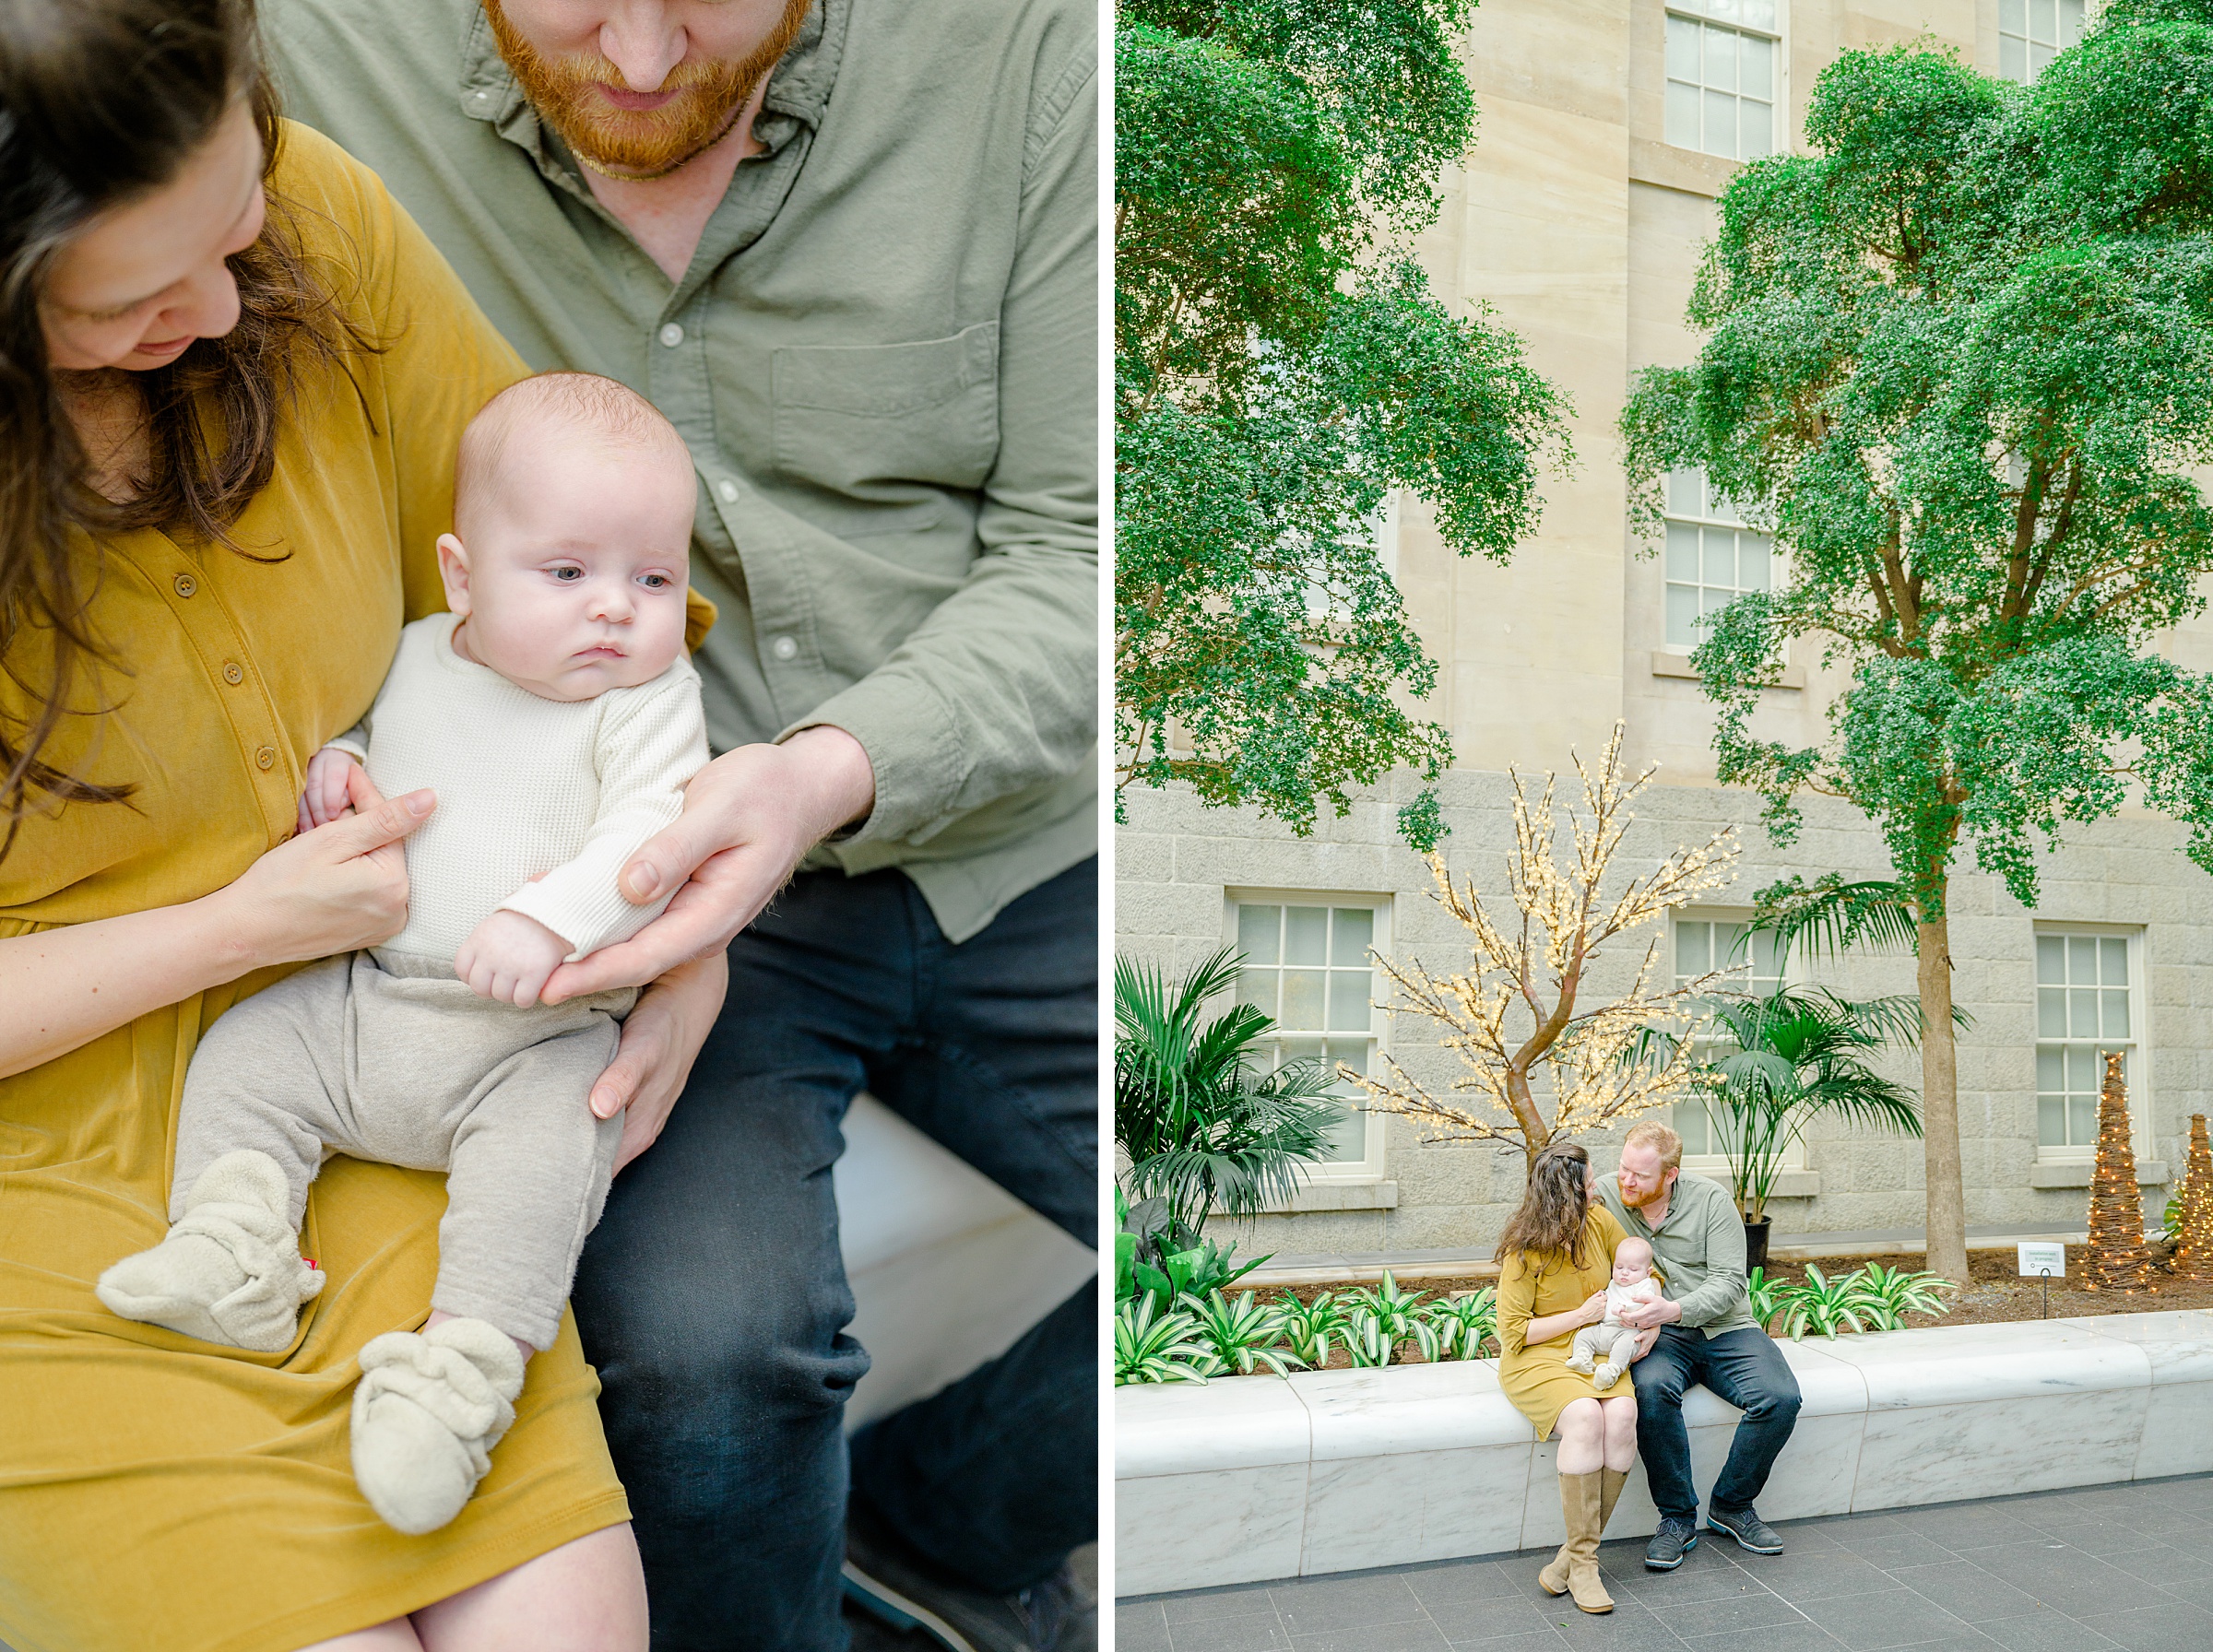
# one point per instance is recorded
(1174, 862)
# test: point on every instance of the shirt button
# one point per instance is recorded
(266, 758)
(186, 584)
(233, 674)
(728, 491)
(673, 335)
(784, 648)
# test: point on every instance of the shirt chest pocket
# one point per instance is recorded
(860, 419)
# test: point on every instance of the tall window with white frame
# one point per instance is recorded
(1711, 558)
(2032, 32)
(2087, 1001)
(1705, 942)
(1307, 965)
(1723, 60)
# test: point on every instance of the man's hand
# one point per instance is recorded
(324, 798)
(1650, 1315)
(1644, 1343)
(749, 818)
(510, 957)
(660, 1040)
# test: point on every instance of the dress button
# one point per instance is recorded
(186, 584)
(266, 758)
(784, 648)
(728, 490)
(673, 335)
(233, 674)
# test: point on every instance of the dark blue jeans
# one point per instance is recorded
(712, 1298)
(1744, 1368)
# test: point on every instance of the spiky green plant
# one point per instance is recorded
(1766, 1295)
(1312, 1328)
(1823, 1304)
(1239, 1334)
(1153, 1346)
(1891, 1293)
(1385, 1319)
(1463, 1324)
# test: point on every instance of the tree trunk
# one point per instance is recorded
(1940, 1104)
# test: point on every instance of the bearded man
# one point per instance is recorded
(1701, 1331)
(848, 247)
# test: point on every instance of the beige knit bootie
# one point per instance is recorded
(229, 1270)
(429, 1409)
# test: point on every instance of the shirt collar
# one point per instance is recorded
(798, 87)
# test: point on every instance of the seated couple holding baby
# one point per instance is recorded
(1641, 1271)
(465, 548)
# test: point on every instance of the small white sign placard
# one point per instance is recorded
(2043, 1258)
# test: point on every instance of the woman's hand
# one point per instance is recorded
(337, 889)
(660, 1040)
(748, 817)
(1593, 1309)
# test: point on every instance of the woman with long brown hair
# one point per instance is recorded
(234, 376)
(1555, 1257)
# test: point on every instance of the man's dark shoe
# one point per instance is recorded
(888, 1579)
(1749, 1530)
(1674, 1539)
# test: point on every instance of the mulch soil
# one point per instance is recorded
(1998, 1294)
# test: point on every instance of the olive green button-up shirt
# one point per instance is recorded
(1700, 1250)
(882, 357)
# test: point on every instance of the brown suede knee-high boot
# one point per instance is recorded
(1575, 1569)
(1553, 1579)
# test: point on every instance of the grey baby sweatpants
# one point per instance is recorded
(395, 1060)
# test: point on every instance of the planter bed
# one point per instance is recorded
(1248, 1479)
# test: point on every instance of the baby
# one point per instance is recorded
(557, 717)
(1632, 1282)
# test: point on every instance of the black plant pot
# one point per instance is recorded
(1756, 1243)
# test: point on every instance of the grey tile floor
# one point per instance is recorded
(2127, 1566)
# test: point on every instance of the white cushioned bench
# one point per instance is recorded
(1248, 1479)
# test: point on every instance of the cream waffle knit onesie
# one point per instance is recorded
(386, 1055)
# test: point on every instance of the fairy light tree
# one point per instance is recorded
(2193, 1224)
(2118, 1258)
(1523, 1006)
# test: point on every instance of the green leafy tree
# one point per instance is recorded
(1280, 365)
(1960, 359)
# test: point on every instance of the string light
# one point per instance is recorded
(2118, 1258)
(2194, 1254)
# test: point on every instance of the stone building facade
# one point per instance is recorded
(1608, 126)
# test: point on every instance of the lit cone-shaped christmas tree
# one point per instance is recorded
(2118, 1259)
(2193, 1253)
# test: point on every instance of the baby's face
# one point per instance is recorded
(1632, 1265)
(571, 580)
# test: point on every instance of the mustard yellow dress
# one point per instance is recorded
(158, 1493)
(1532, 1284)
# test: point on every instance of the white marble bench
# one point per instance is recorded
(1249, 1479)
(946, 1268)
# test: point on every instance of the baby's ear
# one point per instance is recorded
(452, 568)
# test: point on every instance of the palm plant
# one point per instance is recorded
(1770, 1064)
(1820, 1303)
(1203, 1125)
